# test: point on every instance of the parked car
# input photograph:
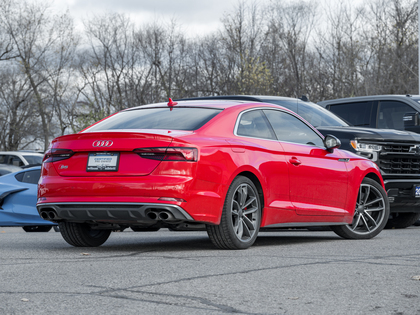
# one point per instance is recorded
(401, 174)
(21, 158)
(7, 169)
(18, 201)
(389, 112)
(230, 166)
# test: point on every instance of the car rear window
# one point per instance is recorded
(33, 159)
(176, 118)
(357, 113)
(31, 177)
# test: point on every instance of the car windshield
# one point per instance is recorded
(33, 159)
(176, 118)
(316, 115)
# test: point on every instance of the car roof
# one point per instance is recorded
(219, 102)
(248, 98)
(400, 97)
(21, 153)
(213, 103)
(10, 167)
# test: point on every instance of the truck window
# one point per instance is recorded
(357, 114)
(391, 114)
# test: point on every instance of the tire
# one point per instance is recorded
(56, 228)
(402, 220)
(371, 213)
(81, 235)
(37, 228)
(417, 223)
(241, 217)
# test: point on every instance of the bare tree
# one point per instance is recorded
(163, 48)
(36, 37)
(341, 49)
(18, 116)
(392, 47)
(109, 64)
(291, 26)
(242, 36)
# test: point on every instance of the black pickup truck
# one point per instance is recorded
(396, 152)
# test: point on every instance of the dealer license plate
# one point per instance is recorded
(103, 162)
(417, 191)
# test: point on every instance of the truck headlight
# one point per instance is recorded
(365, 147)
(368, 150)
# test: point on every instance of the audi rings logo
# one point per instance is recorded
(102, 143)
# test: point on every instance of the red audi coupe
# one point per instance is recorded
(230, 167)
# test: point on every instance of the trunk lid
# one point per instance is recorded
(114, 147)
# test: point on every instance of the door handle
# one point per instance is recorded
(295, 161)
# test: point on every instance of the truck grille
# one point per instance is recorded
(396, 148)
(397, 159)
(400, 165)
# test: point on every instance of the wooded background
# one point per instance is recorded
(55, 80)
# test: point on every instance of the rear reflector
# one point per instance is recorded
(171, 199)
(169, 154)
(54, 155)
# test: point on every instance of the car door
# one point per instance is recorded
(391, 114)
(264, 152)
(318, 179)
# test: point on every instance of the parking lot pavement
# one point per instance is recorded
(285, 272)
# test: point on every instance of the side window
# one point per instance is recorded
(16, 161)
(357, 114)
(3, 159)
(254, 124)
(31, 177)
(391, 114)
(290, 129)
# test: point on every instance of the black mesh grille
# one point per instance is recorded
(396, 148)
(400, 165)
(397, 159)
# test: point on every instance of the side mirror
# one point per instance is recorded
(411, 120)
(331, 142)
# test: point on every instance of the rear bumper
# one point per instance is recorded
(401, 195)
(129, 199)
(118, 213)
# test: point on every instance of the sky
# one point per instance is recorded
(196, 17)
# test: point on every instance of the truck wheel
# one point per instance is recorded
(81, 235)
(241, 217)
(402, 220)
(370, 215)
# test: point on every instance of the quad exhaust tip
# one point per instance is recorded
(49, 215)
(160, 215)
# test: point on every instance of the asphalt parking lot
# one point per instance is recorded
(285, 272)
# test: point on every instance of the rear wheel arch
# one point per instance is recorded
(241, 216)
(257, 184)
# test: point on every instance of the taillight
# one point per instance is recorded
(169, 154)
(54, 155)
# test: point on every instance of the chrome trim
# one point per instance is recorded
(413, 181)
(102, 143)
(235, 130)
(142, 206)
